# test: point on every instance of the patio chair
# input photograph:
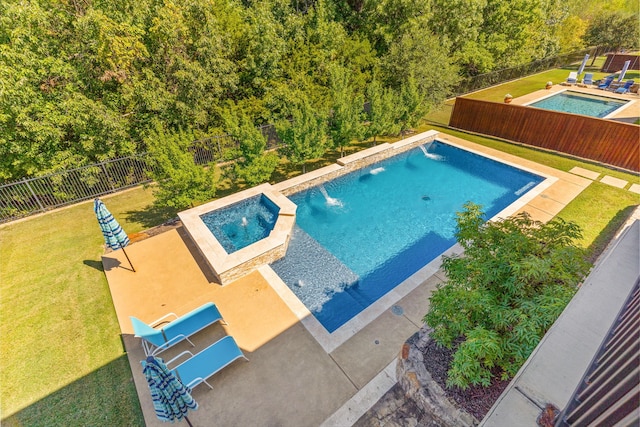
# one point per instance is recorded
(199, 367)
(626, 87)
(156, 340)
(587, 79)
(605, 83)
(573, 77)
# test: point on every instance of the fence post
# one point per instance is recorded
(34, 195)
(106, 174)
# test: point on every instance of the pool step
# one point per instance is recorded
(312, 285)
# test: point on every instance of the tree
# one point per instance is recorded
(458, 28)
(49, 116)
(519, 31)
(345, 121)
(382, 111)
(614, 30)
(412, 106)
(255, 166)
(304, 137)
(409, 66)
(514, 280)
(261, 50)
(571, 33)
(180, 182)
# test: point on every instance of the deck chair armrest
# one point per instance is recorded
(168, 344)
(195, 382)
(179, 356)
(161, 320)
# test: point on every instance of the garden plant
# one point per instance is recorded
(513, 281)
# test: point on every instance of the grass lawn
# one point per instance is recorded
(63, 362)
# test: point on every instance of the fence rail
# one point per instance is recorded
(482, 81)
(32, 195)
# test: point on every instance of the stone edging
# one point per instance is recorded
(418, 384)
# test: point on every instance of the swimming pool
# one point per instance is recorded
(580, 103)
(360, 235)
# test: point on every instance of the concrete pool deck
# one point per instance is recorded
(290, 379)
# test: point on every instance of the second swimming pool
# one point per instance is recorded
(358, 236)
(580, 103)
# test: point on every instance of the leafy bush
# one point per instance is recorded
(180, 182)
(256, 165)
(514, 279)
(305, 136)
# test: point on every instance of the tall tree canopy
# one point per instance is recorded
(85, 81)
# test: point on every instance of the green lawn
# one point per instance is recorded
(63, 362)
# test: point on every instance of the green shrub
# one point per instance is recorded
(514, 279)
(180, 182)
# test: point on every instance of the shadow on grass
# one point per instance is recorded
(606, 235)
(105, 397)
(94, 264)
(151, 216)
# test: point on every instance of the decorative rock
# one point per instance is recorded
(418, 385)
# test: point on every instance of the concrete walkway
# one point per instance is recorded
(556, 366)
(290, 380)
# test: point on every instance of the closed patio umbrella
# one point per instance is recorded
(114, 235)
(171, 399)
(584, 63)
(625, 67)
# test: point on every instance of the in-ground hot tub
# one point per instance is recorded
(239, 233)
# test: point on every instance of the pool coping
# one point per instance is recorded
(627, 102)
(333, 340)
(228, 267)
(628, 112)
(256, 256)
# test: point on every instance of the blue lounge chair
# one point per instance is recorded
(625, 88)
(605, 84)
(573, 77)
(155, 340)
(199, 367)
(587, 79)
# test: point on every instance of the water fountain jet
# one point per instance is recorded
(330, 200)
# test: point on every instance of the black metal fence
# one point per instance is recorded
(32, 195)
(482, 81)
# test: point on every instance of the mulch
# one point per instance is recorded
(476, 400)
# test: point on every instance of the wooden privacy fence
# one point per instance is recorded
(615, 62)
(605, 141)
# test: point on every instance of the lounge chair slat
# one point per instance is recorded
(209, 361)
(157, 340)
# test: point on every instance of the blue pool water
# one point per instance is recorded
(572, 102)
(381, 224)
(241, 224)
